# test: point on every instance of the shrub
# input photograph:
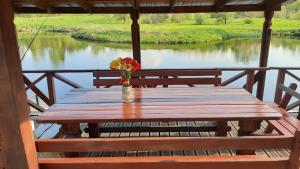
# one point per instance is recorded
(248, 21)
(199, 20)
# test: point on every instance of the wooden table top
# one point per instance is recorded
(158, 104)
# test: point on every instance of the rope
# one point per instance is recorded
(34, 37)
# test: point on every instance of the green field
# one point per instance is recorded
(111, 28)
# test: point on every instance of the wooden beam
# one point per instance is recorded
(264, 52)
(172, 5)
(135, 35)
(17, 147)
(148, 10)
(172, 162)
(274, 3)
(219, 4)
(44, 5)
(85, 5)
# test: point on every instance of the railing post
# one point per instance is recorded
(278, 91)
(250, 80)
(51, 88)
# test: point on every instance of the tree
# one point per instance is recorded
(221, 17)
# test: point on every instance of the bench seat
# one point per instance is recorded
(289, 121)
(174, 162)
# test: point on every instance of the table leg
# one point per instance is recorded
(93, 130)
(221, 128)
(71, 130)
(246, 129)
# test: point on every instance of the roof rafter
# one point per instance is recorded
(44, 5)
(219, 4)
(85, 5)
(274, 3)
(172, 5)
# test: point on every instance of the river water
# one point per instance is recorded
(63, 52)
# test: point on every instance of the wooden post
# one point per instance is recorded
(250, 80)
(264, 52)
(295, 152)
(135, 35)
(51, 88)
(278, 91)
(17, 146)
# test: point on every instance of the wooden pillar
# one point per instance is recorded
(17, 147)
(264, 53)
(135, 35)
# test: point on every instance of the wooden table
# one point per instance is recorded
(219, 104)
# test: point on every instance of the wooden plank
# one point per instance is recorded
(208, 162)
(67, 81)
(163, 144)
(17, 141)
(234, 78)
(149, 10)
(288, 95)
(35, 82)
(159, 129)
(158, 81)
(35, 106)
(36, 90)
(161, 72)
(290, 91)
(219, 4)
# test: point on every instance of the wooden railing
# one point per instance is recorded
(251, 74)
(280, 88)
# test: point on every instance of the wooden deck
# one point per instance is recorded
(50, 131)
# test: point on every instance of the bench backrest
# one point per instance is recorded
(164, 77)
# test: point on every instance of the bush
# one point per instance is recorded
(248, 21)
(296, 15)
(199, 20)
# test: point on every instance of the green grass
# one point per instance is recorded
(107, 28)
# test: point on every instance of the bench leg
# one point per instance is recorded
(71, 130)
(93, 130)
(246, 129)
(269, 129)
(221, 128)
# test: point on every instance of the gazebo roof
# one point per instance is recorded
(143, 6)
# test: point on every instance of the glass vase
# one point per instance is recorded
(127, 94)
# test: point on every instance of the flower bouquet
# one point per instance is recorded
(126, 66)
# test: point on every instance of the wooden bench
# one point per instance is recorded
(164, 77)
(288, 120)
(287, 140)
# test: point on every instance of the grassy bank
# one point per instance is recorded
(108, 28)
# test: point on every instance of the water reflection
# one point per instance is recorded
(63, 52)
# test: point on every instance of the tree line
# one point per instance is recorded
(290, 11)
